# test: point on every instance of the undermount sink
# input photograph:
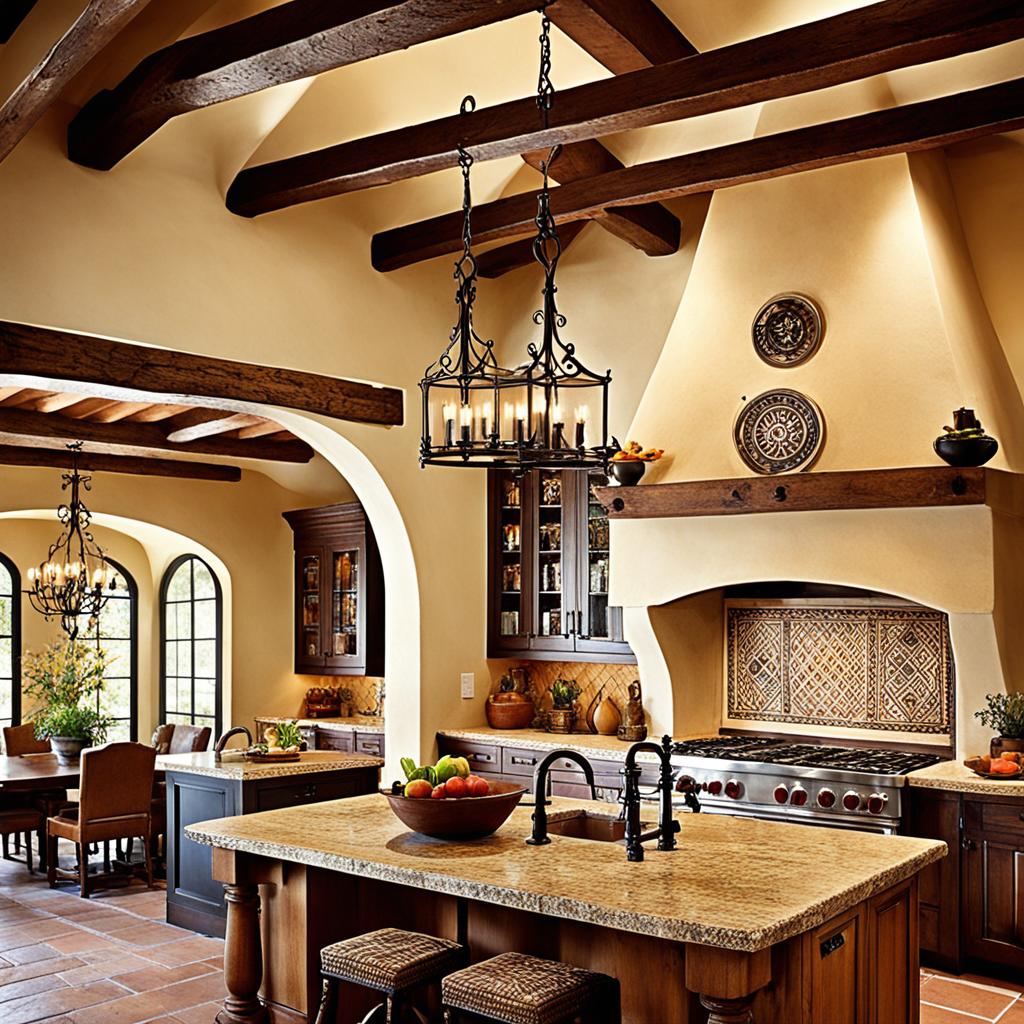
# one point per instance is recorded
(601, 828)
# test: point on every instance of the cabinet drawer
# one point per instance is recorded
(335, 739)
(481, 756)
(271, 798)
(1007, 817)
(371, 743)
(519, 761)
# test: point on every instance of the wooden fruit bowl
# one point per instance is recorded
(973, 762)
(468, 818)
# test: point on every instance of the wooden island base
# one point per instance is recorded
(861, 967)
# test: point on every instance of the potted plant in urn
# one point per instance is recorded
(1005, 717)
(65, 679)
(562, 716)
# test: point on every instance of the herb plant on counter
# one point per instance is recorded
(1004, 714)
(564, 692)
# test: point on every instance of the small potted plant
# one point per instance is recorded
(562, 716)
(1005, 717)
(66, 678)
(628, 464)
(345, 698)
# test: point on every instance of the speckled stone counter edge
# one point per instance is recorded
(351, 724)
(621, 918)
(249, 770)
(957, 778)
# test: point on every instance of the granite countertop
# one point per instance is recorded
(365, 723)
(588, 744)
(312, 761)
(954, 776)
(722, 887)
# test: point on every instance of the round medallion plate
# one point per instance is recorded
(779, 431)
(787, 330)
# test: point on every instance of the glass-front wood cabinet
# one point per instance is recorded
(548, 569)
(339, 592)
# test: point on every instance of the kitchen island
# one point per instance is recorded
(791, 923)
(200, 787)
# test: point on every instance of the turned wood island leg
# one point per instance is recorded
(727, 981)
(243, 948)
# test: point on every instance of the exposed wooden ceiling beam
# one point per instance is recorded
(44, 351)
(858, 43)
(624, 35)
(12, 14)
(926, 125)
(221, 425)
(99, 462)
(519, 253)
(144, 436)
(97, 25)
(283, 44)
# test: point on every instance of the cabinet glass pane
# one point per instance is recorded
(550, 535)
(598, 625)
(345, 603)
(310, 580)
(511, 540)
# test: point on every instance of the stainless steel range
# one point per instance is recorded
(761, 777)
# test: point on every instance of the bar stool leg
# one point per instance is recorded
(327, 1012)
(51, 860)
(28, 852)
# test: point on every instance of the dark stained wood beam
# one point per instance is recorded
(97, 25)
(12, 14)
(916, 126)
(45, 351)
(283, 44)
(624, 35)
(100, 462)
(858, 43)
(149, 436)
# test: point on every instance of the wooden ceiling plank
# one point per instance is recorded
(9, 393)
(119, 411)
(624, 35)
(143, 436)
(24, 396)
(97, 25)
(86, 408)
(99, 462)
(222, 425)
(916, 126)
(157, 412)
(283, 44)
(143, 371)
(263, 428)
(56, 402)
(866, 41)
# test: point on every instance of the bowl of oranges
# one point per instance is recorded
(1006, 766)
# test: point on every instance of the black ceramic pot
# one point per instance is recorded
(966, 451)
(628, 473)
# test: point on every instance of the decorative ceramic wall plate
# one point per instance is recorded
(787, 330)
(779, 431)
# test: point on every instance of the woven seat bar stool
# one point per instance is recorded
(391, 961)
(514, 988)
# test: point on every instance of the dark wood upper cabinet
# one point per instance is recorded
(339, 592)
(548, 568)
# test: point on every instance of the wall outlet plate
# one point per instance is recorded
(468, 684)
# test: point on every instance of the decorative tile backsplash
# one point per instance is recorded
(882, 668)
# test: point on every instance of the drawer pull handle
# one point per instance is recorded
(524, 760)
(829, 946)
(480, 757)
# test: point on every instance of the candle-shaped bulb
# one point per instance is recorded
(557, 415)
(465, 422)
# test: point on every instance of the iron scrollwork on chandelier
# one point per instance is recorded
(551, 411)
(75, 581)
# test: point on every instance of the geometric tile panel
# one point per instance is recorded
(859, 668)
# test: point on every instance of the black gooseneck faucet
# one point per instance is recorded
(667, 828)
(539, 836)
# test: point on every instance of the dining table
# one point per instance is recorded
(37, 771)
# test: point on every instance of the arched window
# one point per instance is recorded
(190, 644)
(115, 631)
(10, 643)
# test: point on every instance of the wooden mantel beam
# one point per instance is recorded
(101, 462)
(285, 43)
(916, 126)
(48, 352)
(99, 22)
(866, 41)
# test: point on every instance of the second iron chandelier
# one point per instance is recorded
(550, 411)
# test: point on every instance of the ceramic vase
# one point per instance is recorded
(607, 718)
(562, 720)
(627, 473)
(68, 749)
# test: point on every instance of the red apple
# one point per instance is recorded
(477, 786)
(456, 788)
(438, 792)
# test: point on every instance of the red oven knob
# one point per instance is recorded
(799, 796)
(781, 794)
(877, 802)
(851, 800)
(714, 787)
(733, 789)
(826, 798)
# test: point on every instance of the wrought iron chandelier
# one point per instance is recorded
(75, 581)
(550, 411)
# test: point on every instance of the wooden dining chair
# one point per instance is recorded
(115, 802)
(21, 739)
(175, 738)
(22, 821)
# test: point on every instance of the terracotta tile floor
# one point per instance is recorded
(114, 960)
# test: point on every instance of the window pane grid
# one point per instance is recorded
(10, 681)
(190, 655)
